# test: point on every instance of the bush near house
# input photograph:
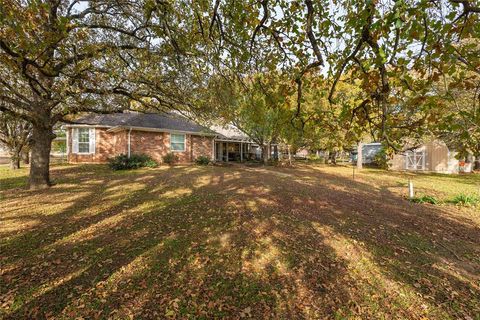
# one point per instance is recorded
(170, 158)
(202, 161)
(135, 161)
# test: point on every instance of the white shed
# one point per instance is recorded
(433, 156)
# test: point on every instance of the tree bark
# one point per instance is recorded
(275, 152)
(289, 155)
(333, 157)
(265, 153)
(476, 163)
(14, 159)
(25, 155)
(41, 145)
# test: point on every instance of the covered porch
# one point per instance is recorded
(239, 151)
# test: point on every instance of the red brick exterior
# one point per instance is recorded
(105, 147)
(203, 146)
(154, 144)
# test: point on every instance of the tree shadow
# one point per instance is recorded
(231, 242)
(432, 249)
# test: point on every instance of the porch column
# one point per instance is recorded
(213, 150)
(227, 151)
(241, 151)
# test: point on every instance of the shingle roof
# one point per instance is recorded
(229, 132)
(144, 120)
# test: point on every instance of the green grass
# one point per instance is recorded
(426, 199)
(10, 179)
(465, 200)
(263, 242)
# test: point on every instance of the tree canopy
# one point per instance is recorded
(60, 58)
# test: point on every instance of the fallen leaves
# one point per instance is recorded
(298, 246)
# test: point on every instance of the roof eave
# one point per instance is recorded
(76, 125)
(120, 128)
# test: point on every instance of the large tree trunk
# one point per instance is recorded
(42, 137)
(25, 155)
(333, 157)
(289, 155)
(265, 150)
(14, 159)
(476, 162)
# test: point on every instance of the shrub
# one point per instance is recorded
(465, 200)
(135, 161)
(150, 163)
(381, 159)
(426, 199)
(202, 161)
(170, 158)
(315, 158)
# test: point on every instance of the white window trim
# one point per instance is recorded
(184, 142)
(78, 141)
(92, 144)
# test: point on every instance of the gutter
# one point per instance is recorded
(129, 140)
(119, 128)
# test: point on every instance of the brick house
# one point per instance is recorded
(97, 137)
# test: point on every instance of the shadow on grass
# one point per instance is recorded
(14, 182)
(232, 242)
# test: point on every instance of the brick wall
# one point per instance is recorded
(202, 146)
(104, 147)
(155, 144)
(121, 142)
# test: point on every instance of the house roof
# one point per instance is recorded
(144, 120)
(230, 133)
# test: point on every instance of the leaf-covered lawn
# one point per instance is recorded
(237, 242)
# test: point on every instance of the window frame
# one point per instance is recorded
(82, 142)
(184, 142)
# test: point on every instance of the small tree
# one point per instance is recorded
(259, 108)
(14, 135)
(460, 122)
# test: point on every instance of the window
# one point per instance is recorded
(83, 140)
(177, 142)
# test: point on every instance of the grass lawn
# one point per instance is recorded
(237, 242)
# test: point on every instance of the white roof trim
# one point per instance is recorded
(80, 125)
(233, 140)
(120, 128)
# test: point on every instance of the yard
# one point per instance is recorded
(237, 242)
